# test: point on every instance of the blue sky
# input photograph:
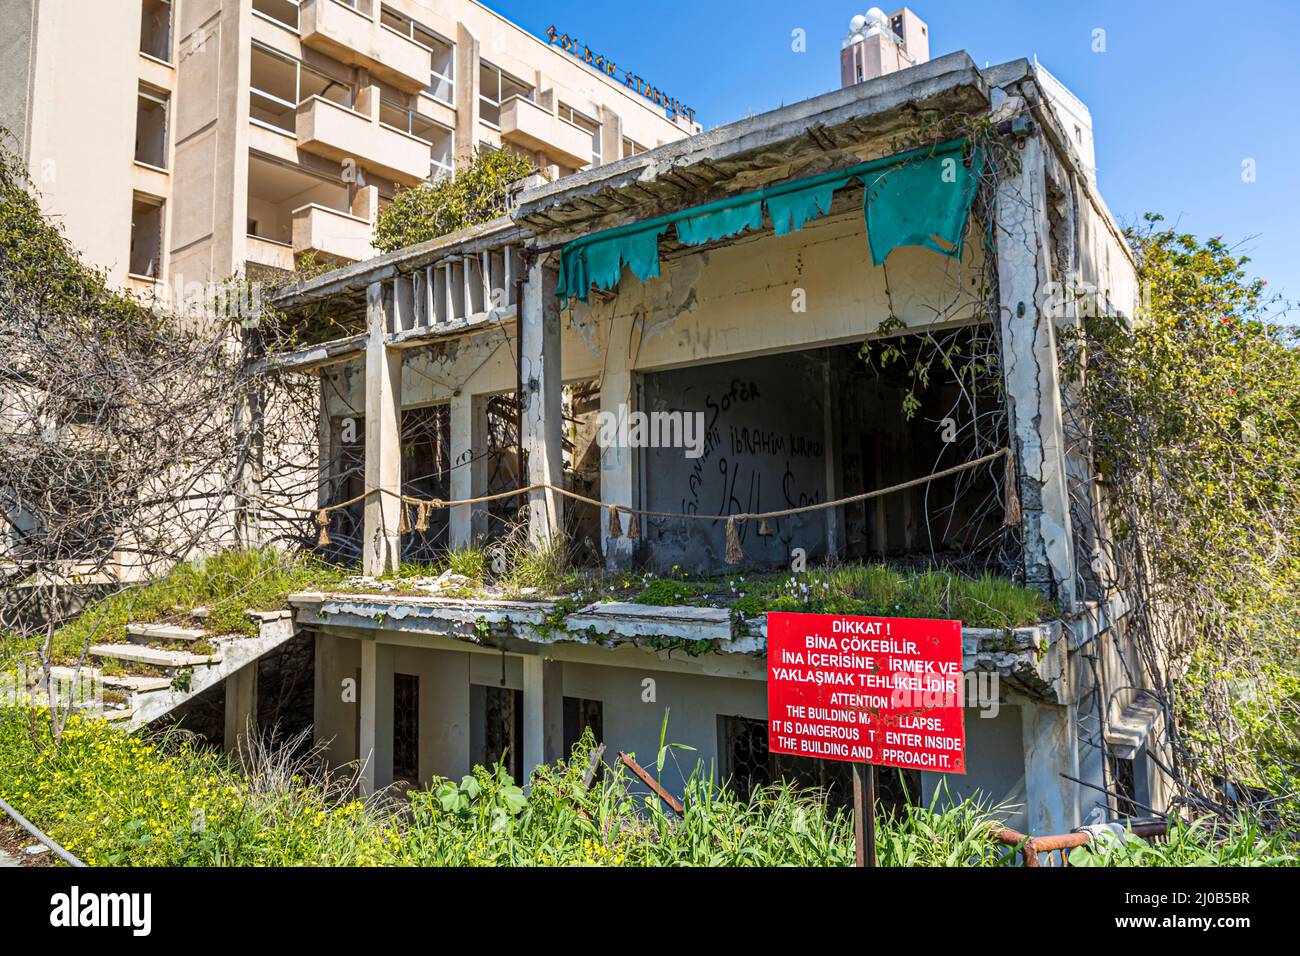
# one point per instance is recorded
(1183, 93)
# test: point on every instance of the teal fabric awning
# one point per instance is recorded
(599, 259)
(789, 211)
(922, 203)
(921, 197)
(708, 226)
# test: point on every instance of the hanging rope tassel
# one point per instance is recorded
(633, 528)
(764, 529)
(323, 522)
(422, 517)
(734, 554)
(615, 523)
(403, 521)
(1011, 494)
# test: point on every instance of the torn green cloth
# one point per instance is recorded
(924, 202)
(600, 261)
(789, 211)
(706, 227)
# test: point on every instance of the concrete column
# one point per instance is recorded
(543, 712)
(462, 471)
(382, 545)
(1051, 749)
(539, 349)
(617, 464)
(367, 698)
(1031, 375)
(241, 705)
(467, 91)
(611, 135)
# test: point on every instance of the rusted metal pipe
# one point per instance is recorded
(1031, 846)
(652, 783)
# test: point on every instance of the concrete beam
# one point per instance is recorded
(539, 349)
(1031, 376)
(382, 545)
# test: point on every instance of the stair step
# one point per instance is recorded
(150, 656)
(133, 682)
(145, 633)
(123, 714)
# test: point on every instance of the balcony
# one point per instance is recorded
(355, 38)
(331, 234)
(268, 253)
(534, 127)
(336, 132)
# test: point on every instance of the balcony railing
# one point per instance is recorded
(269, 253)
(336, 132)
(534, 127)
(330, 233)
(357, 38)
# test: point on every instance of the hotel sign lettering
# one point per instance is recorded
(603, 64)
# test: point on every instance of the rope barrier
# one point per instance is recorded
(1011, 505)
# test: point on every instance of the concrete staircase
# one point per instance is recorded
(161, 666)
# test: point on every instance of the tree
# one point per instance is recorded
(1192, 414)
(120, 440)
(476, 193)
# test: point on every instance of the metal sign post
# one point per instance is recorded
(864, 814)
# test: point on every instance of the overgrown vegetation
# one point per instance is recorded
(115, 799)
(474, 194)
(1192, 416)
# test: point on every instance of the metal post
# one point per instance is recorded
(864, 814)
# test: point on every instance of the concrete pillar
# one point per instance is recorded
(1031, 375)
(1051, 749)
(469, 468)
(241, 705)
(539, 349)
(367, 698)
(543, 712)
(382, 546)
(611, 135)
(467, 92)
(617, 464)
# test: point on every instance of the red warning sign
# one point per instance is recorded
(880, 690)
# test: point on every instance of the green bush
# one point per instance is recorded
(474, 194)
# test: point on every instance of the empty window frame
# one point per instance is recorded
(587, 124)
(151, 128)
(631, 147)
(442, 53)
(406, 727)
(1123, 780)
(273, 89)
(279, 83)
(495, 87)
(283, 12)
(156, 29)
(503, 727)
(146, 237)
(441, 139)
(581, 715)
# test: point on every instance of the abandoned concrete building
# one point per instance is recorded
(763, 296)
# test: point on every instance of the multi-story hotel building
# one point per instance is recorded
(181, 141)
